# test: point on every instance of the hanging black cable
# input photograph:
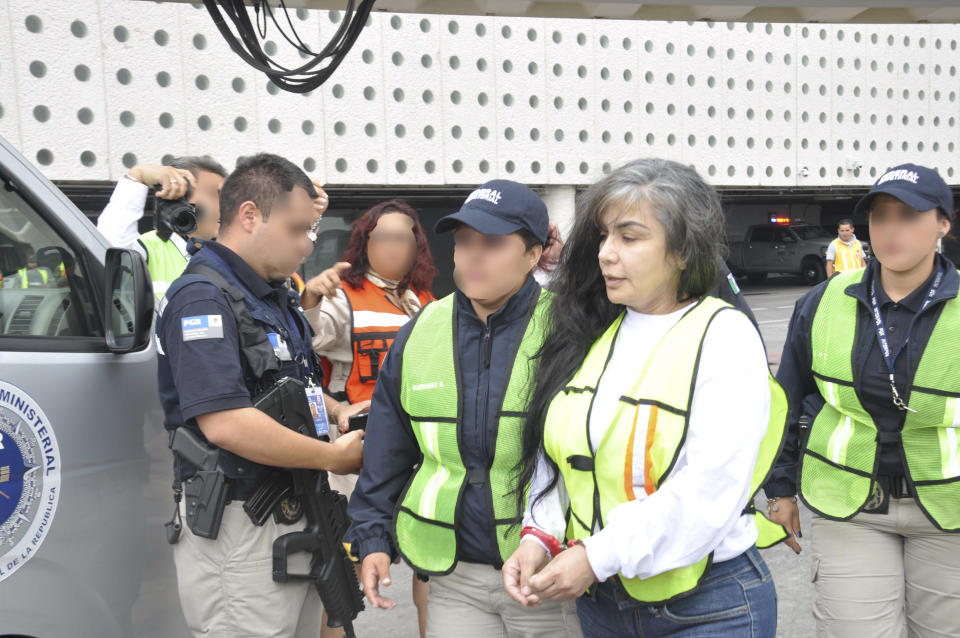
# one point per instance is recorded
(246, 38)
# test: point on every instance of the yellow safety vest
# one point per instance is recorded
(28, 278)
(598, 480)
(165, 262)
(840, 454)
(427, 518)
(847, 257)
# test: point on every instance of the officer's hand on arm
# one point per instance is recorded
(795, 375)
(325, 284)
(565, 577)
(349, 453)
(787, 514)
(173, 182)
(529, 559)
(375, 571)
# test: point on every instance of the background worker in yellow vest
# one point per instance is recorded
(445, 428)
(646, 423)
(872, 370)
(845, 252)
(196, 179)
(31, 275)
(387, 272)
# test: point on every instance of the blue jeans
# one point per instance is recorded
(736, 600)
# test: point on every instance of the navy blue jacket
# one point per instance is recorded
(871, 376)
(485, 354)
(200, 374)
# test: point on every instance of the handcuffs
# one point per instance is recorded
(774, 506)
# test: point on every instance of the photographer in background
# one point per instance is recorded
(188, 205)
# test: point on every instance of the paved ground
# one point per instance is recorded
(772, 303)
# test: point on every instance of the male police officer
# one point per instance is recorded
(446, 423)
(228, 330)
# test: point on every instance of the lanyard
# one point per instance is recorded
(890, 358)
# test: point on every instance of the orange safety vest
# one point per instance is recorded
(375, 321)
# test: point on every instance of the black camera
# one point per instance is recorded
(176, 216)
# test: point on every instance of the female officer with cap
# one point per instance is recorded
(446, 423)
(872, 369)
(653, 422)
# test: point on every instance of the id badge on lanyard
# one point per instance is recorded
(280, 346)
(890, 357)
(318, 410)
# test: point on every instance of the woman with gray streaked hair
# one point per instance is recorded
(653, 422)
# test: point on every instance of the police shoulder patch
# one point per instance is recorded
(202, 327)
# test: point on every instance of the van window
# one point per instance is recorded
(44, 291)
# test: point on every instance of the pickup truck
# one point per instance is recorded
(796, 249)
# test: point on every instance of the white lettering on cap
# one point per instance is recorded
(487, 194)
(901, 174)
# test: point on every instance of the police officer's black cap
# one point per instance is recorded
(916, 186)
(501, 207)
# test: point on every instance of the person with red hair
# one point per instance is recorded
(357, 306)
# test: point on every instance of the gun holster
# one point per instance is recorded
(206, 498)
(205, 491)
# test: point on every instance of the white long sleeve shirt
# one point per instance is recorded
(699, 508)
(118, 221)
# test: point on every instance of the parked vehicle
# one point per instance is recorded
(781, 247)
(84, 467)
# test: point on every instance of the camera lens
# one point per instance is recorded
(185, 222)
(176, 216)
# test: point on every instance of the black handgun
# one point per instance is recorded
(326, 513)
(206, 490)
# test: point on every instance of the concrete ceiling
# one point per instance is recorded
(858, 11)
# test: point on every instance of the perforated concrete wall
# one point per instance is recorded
(88, 88)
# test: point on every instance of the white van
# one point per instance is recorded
(85, 471)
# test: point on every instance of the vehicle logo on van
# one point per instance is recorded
(29, 478)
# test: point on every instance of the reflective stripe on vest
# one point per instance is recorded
(847, 257)
(165, 262)
(840, 454)
(375, 324)
(599, 480)
(427, 517)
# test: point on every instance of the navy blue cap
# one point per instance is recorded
(501, 207)
(919, 187)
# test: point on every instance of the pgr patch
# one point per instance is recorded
(202, 327)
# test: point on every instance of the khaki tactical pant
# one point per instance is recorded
(226, 585)
(472, 603)
(876, 572)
